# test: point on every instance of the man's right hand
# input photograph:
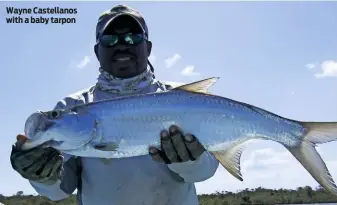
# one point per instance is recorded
(43, 165)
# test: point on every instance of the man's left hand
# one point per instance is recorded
(176, 147)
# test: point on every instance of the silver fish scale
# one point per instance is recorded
(127, 126)
(135, 122)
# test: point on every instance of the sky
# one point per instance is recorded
(279, 56)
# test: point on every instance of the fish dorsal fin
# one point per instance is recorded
(230, 159)
(201, 86)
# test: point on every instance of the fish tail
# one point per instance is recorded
(307, 155)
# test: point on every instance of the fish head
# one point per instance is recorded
(62, 129)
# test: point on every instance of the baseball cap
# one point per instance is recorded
(108, 16)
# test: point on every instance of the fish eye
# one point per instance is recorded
(55, 113)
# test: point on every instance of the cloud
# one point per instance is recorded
(169, 62)
(328, 69)
(84, 62)
(310, 66)
(189, 71)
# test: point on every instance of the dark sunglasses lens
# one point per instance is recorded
(109, 40)
(133, 38)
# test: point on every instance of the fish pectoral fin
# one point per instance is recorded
(106, 146)
(201, 86)
(230, 159)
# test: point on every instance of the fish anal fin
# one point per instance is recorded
(230, 159)
(201, 86)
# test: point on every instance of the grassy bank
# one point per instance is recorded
(259, 196)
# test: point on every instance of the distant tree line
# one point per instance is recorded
(258, 196)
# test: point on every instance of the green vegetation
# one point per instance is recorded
(261, 196)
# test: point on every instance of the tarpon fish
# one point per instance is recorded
(126, 127)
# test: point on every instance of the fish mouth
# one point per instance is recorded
(36, 123)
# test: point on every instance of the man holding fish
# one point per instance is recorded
(119, 118)
(165, 176)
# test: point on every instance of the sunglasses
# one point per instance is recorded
(128, 38)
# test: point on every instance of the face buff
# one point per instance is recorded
(112, 84)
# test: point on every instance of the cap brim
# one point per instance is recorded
(112, 18)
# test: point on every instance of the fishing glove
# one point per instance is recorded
(176, 147)
(43, 165)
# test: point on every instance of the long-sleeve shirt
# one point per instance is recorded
(126, 181)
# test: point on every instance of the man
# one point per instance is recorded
(165, 176)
